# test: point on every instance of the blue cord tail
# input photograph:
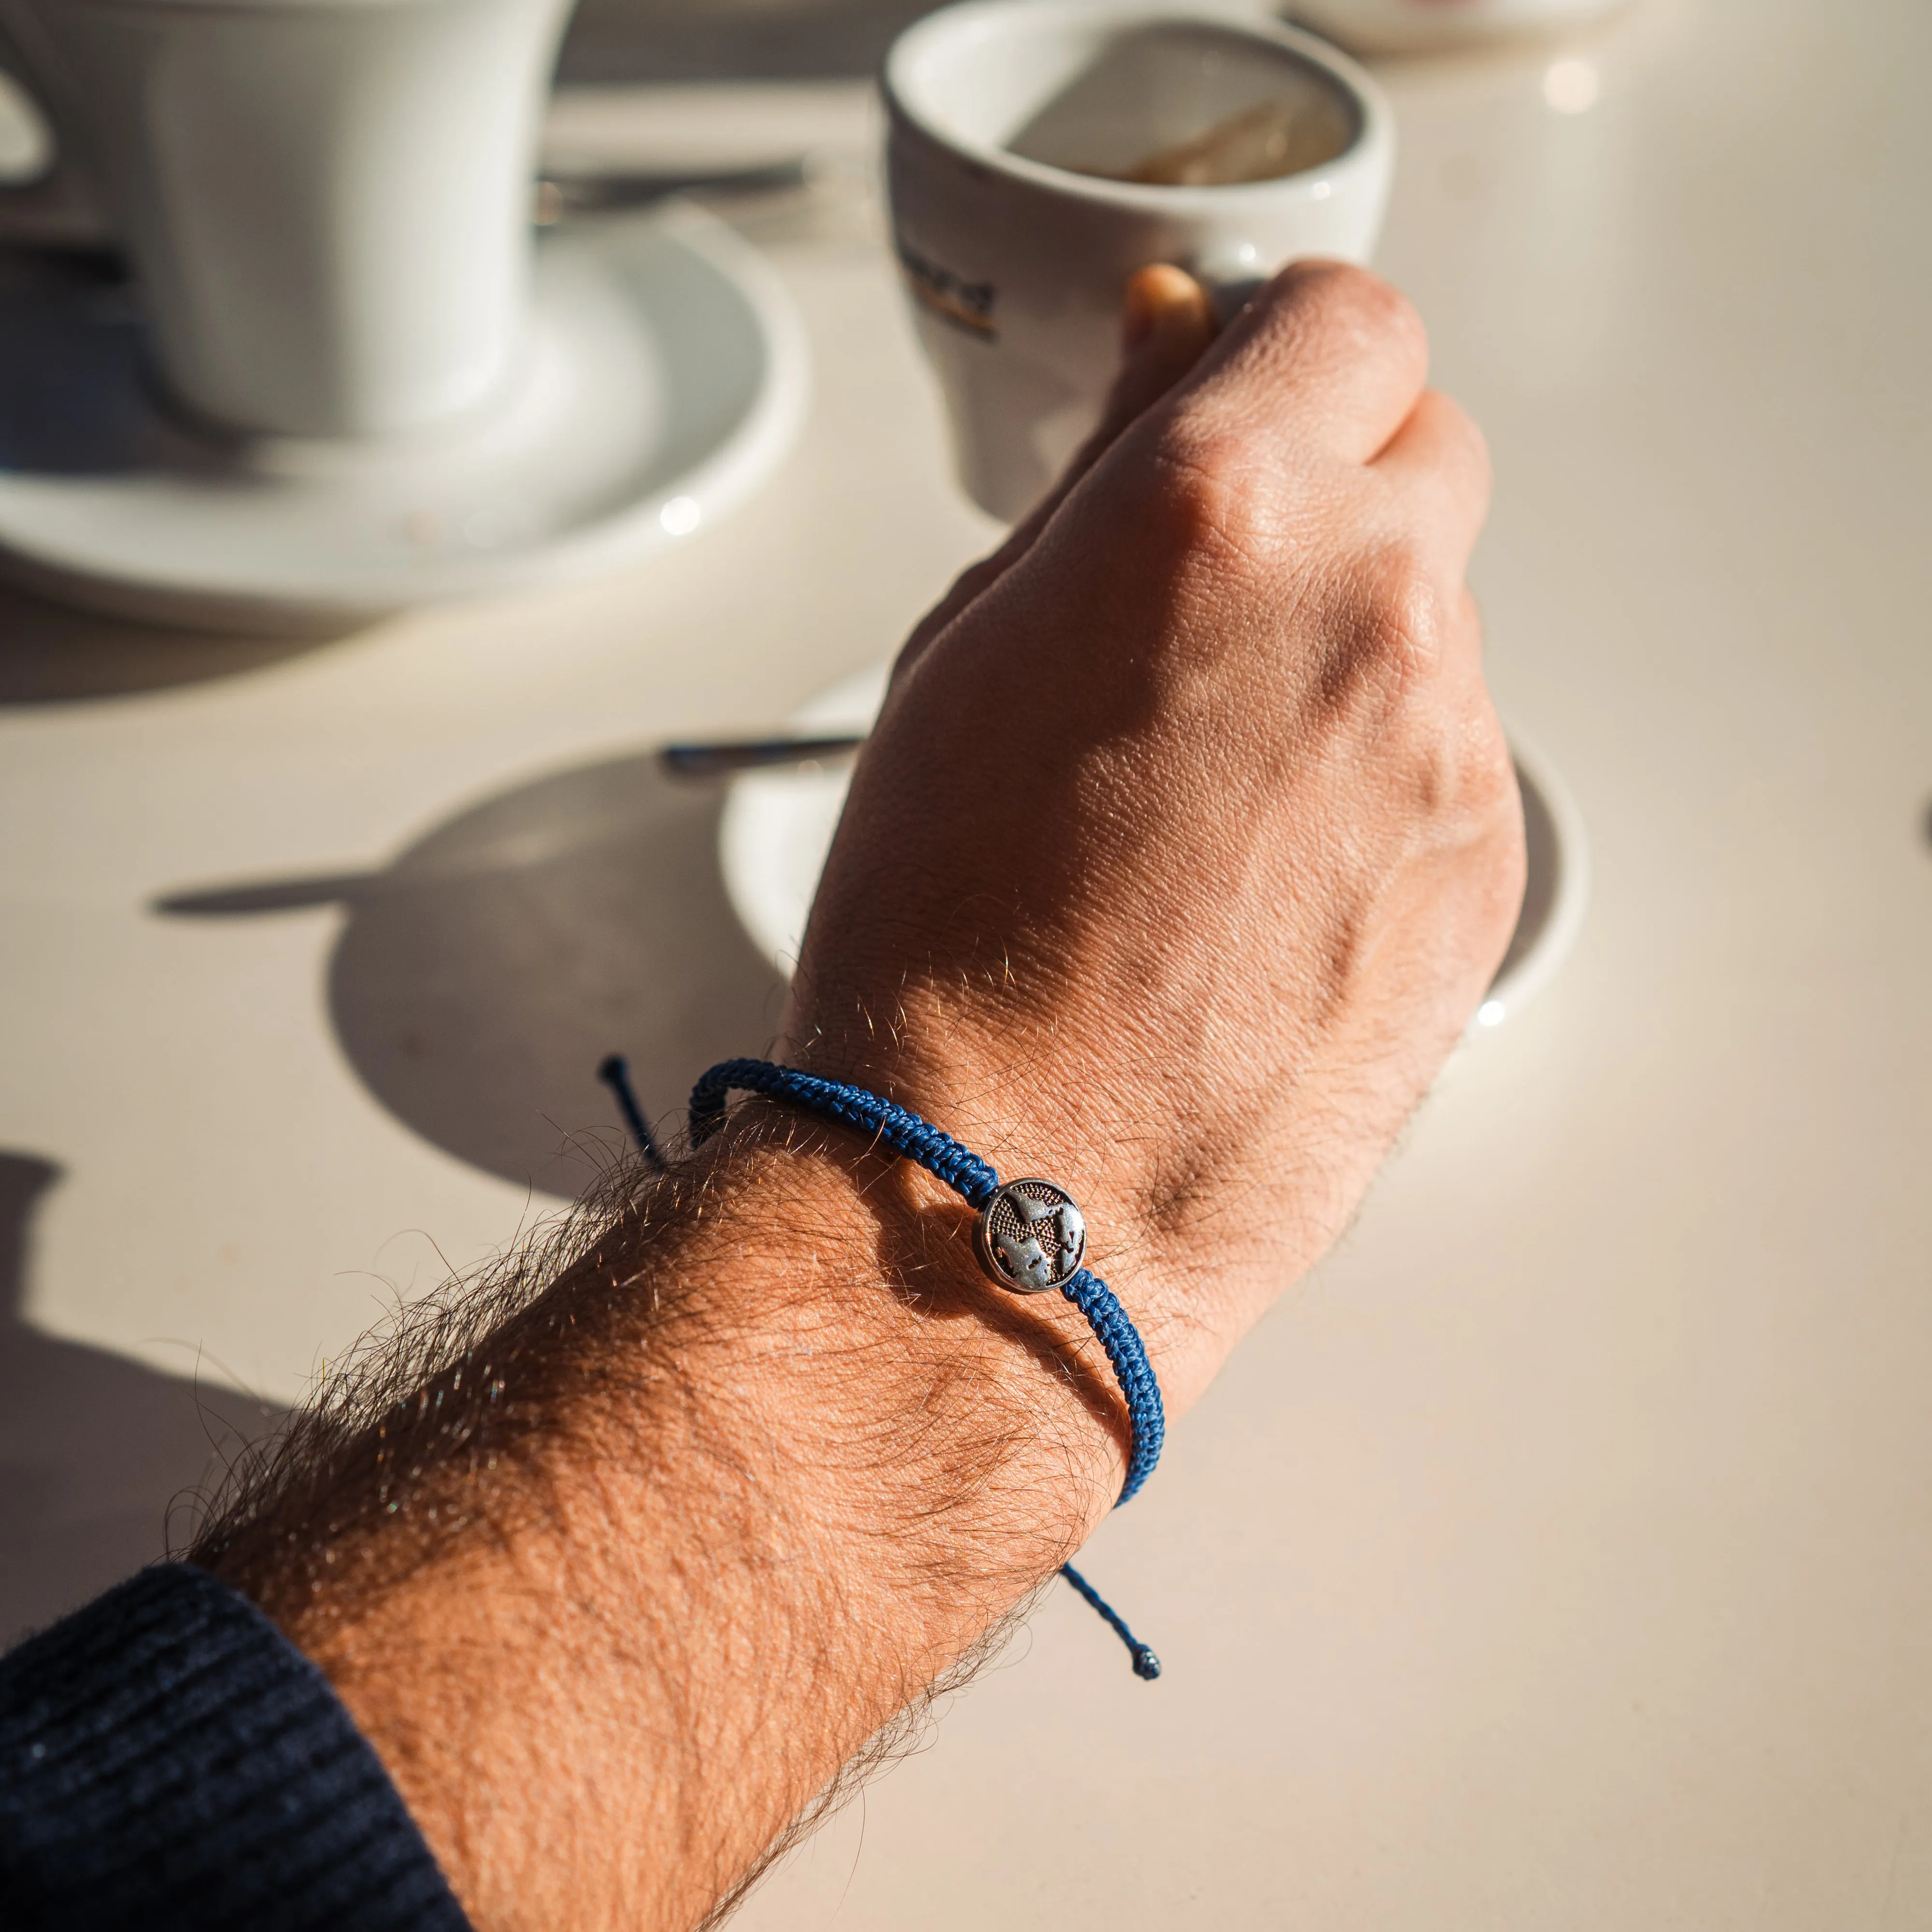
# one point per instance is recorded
(615, 1073)
(1146, 1664)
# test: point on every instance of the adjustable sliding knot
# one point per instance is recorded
(1031, 1238)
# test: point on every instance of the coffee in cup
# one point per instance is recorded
(1258, 144)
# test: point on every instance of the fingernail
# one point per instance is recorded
(1138, 313)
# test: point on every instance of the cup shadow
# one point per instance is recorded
(479, 981)
(74, 403)
(69, 361)
(100, 1458)
(631, 41)
(52, 654)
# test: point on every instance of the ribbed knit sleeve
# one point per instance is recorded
(168, 1759)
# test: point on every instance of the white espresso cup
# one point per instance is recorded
(1016, 259)
(327, 203)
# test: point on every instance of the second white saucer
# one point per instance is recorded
(665, 376)
(778, 825)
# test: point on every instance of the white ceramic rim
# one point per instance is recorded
(242, 598)
(1513, 990)
(1375, 130)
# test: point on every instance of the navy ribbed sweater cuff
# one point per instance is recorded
(168, 1759)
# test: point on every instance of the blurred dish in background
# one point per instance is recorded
(778, 825)
(1401, 26)
(665, 376)
(26, 141)
(41, 205)
(328, 207)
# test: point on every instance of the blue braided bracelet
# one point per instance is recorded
(1030, 1238)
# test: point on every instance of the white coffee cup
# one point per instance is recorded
(327, 203)
(1015, 267)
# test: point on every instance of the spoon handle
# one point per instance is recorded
(561, 193)
(719, 759)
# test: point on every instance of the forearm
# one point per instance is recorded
(634, 1580)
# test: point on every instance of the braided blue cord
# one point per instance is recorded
(1131, 1370)
(900, 1128)
(975, 1180)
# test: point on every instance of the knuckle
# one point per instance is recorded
(1361, 304)
(1210, 485)
(1488, 774)
(1481, 461)
(1462, 432)
(1464, 788)
(1459, 789)
(1405, 622)
(1496, 809)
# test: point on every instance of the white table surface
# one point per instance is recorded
(1560, 1554)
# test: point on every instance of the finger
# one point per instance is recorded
(1325, 351)
(1439, 464)
(1167, 321)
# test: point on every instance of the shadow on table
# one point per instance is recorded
(619, 41)
(50, 654)
(68, 359)
(97, 1454)
(479, 979)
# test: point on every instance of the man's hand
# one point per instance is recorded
(1189, 841)
(1185, 846)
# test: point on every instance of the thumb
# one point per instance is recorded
(1167, 320)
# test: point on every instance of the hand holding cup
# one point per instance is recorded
(1187, 841)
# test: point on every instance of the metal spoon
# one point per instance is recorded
(31, 217)
(563, 192)
(720, 759)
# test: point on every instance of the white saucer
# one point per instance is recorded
(665, 376)
(777, 826)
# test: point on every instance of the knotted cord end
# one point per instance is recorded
(1146, 1666)
(614, 1070)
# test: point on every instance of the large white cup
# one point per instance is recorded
(327, 201)
(1016, 267)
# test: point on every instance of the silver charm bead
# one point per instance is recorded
(1030, 1237)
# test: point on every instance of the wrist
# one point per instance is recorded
(1031, 1098)
(1030, 1238)
(924, 1421)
